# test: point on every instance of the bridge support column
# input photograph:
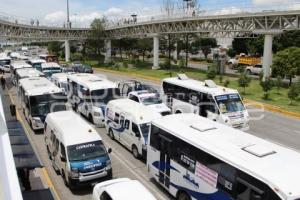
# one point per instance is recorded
(175, 52)
(67, 51)
(155, 52)
(108, 51)
(268, 54)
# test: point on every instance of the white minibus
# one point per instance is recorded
(5, 63)
(16, 66)
(76, 149)
(50, 68)
(61, 81)
(224, 105)
(27, 73)
(39, 96)
(36, 63)
(128, 122)
(195, 158)
(89, 95)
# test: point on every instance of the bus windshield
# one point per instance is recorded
(5, 62)
(150, 100)
(145, 129)
(86, 151)
(37, 66)
(229, 103)
(43, 104)
(104, 96)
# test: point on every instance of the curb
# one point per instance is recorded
(256, 104)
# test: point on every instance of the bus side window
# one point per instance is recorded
(62, 151)
(122, 119)
(135, 130)
(127, 122)
(246, 191)
(116, 118)
(154, 137)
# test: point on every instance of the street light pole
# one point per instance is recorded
(68, 15)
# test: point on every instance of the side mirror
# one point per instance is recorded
(63, 159)
(109, 150)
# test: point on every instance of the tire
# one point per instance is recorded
(178, 112)
(111, 134)
(91, 119)
(135, 152)
(183, 196)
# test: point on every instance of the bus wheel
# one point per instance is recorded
(135, 152)
(183, 196)
(111, 134)
(91, 119)
(178, 112)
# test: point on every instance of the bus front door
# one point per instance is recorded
(165, 166)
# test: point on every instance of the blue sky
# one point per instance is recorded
(83, 11)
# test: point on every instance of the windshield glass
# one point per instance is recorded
(145, 129)
(150, 100)
(5, 62)
(86, 151)
(37, 66)
(43, 104)
(104, 96)
(229, 103)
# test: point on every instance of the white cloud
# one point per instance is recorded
(268, 2)
(56, 17)
(228, 11)
(114, 12)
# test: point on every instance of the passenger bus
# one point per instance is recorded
(27, 73)
(128, 122)
(50, 68)
(195, 158)
(76, 150)
(224, 105)
(61, 81)
(39, 96)
(49, 58)
(5, 63)
(36, 63)
(16, 66)
(89, 95)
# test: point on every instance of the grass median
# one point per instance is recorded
(253, 92)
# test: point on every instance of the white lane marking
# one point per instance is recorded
(142, 177)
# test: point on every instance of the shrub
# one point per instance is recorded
(241, 69)
(166, 64)
(211, 73)
(226, 83)
(182, 63)
(125, 64)
(266, 85)
(244, 81)
(278, 83)
(294, 92)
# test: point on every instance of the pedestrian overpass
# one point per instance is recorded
(268, 23)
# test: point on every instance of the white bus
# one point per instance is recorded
(50, 68)
(128, 122)
(39, 97)
(27, 73)
(195, 158)
(224, 105)
(61, 81)
(5, 63)
(36, 63)
(16, 66)
(76, 149)
(89, 95)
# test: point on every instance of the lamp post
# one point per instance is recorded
(68, 15)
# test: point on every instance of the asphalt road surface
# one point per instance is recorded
(273, 127)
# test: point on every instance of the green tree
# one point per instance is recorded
(212, 72)
(244, 81)
(144, 45)
(266, 85)
(55, 47)
(293, 92)
(287, 63)
(95, 41)
(278, 83)
(231, 53)
(204, 44)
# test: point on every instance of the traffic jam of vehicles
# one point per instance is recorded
(190, 134)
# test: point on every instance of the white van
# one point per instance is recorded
(61, 81)
(76, 149)
(121, 189)
(129, 122)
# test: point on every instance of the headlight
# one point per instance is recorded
(74, 173)
(108, 164)
(97, 114)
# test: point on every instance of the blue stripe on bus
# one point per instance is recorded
(119, 130)
(161, 166)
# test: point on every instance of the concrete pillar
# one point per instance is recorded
(175, 52)
(155, 52)
(108, 51)
(67, 51)
(268, 56)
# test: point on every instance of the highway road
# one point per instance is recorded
(274, 127)
(268, 125)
